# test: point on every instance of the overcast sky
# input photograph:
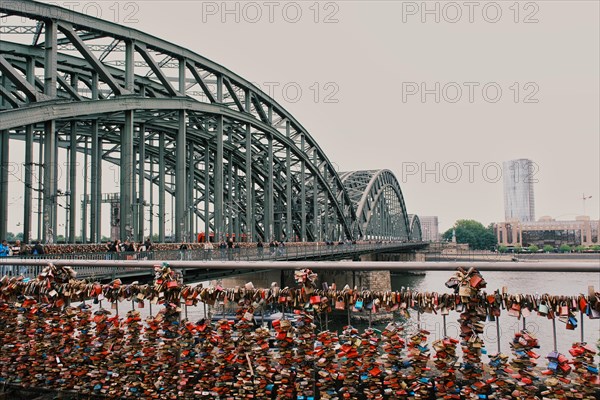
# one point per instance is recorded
(503, 80)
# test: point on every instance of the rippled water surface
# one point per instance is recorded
(555, 283)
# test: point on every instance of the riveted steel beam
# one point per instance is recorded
(141, 48)
(21, 84)
(67, 30)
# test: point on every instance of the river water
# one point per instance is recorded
(555, 283)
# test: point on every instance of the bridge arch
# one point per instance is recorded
(380, 208)
(178, 126)
(226, 151)
(416, 234)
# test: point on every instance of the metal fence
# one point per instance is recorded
(283, 253)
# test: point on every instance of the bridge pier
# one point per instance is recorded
(416, 256)
(362, 280)
(368, 280)
(261, 279)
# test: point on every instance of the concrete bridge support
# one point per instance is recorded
(416, 256)
(372, 280)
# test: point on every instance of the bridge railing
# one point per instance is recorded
(159, 346)
(284, 253)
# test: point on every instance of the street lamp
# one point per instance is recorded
(584, 198)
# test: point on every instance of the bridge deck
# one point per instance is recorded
(93, 265)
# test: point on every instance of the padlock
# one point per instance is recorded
(592, 313)
(564, 310)
(315, 299)
(340, 304)
(464, 291)
(285, 323)
(359, 304)
(515, 310)
(570, 326)
(582, 304)
(452, 283)
(543, 309)
(475, 281)
(172, 284)
(553, 355)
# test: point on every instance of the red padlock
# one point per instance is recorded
(172, 284)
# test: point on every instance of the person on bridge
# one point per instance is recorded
(4, 249)
(141, 248)
(230, 249)
(113, 247)
(183, 251)
(223, 249)
(116, 246)
(5, 252)
(208, 249)
(127, 246)
(260, 248)
(148, 244)
(38, 249)
(16, 248)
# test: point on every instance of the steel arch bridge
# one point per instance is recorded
(379, 204)
(415, 227)
(233, 160)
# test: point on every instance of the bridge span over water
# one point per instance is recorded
(234, 161)
(215, 263)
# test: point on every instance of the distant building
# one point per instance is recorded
(518, 190)
(430, 229)
(547, 231)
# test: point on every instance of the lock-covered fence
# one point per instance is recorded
(199, 252)
(52, 338)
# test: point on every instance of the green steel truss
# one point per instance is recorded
(229, 155)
